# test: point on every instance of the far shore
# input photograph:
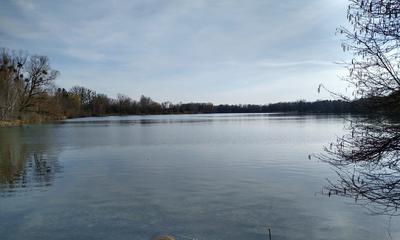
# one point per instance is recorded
(19, 122)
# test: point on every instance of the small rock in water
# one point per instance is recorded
(164, 238)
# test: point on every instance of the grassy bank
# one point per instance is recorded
(31, 118)
(12, 123)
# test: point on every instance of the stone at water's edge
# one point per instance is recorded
(164, 238)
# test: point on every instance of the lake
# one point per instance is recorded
(219, 176)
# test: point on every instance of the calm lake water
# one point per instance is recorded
(192, 176)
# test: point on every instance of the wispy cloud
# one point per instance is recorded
(195, 45)
(283, 64)
(25, 5)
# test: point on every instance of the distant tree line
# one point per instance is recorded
(27, 92)
(81, 101)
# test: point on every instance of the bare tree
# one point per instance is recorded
(24, 81)
(367, 162)
(367, 158)
(124, 103)
(85, 94)
(11, 82)
(374, 41)
(38, 77)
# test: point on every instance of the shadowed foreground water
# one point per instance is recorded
(191, 176)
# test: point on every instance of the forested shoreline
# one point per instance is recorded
(28, 94)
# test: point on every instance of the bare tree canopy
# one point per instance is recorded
(24, 80)
(367, 162)
(38, 76)
(367, 158)
(11, 81)
(374, 40)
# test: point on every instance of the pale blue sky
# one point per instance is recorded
(195, 50)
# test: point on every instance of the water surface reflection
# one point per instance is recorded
(197, 176)
(366, 160)
(25, 162)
